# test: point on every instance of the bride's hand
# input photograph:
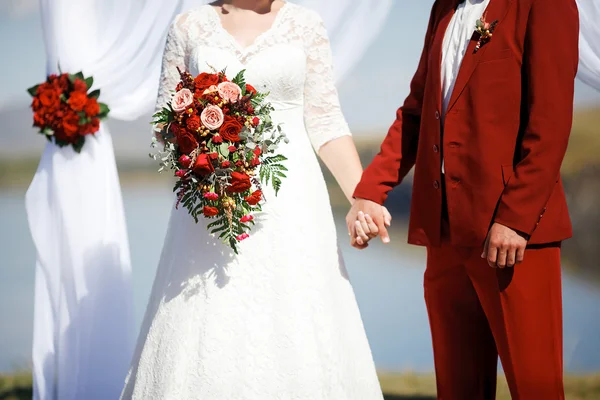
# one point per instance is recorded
(367, 220)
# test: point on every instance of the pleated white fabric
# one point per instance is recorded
(83, 322)
(589, 42)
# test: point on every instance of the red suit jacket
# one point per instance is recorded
(505, 132)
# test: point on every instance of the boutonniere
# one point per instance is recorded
(485, 31)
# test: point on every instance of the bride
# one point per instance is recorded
(279, 320)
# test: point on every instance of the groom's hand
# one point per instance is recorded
(504, 247)
(367, 220)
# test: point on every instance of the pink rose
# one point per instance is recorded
(229, 91)
(211, 196)
(243, 236)
(212, 89)
(212, 117)
(182, 100)
(247, 218)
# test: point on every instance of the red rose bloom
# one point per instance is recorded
(205, 80)
(80, 86)
(255, 162)
(225, 164)
(70, 124)
(254, 198)
(95, 125)
(255, 121)
(250, 89)
(193, 123)
(232, 149)
(92, 108)
(231, 129)
(210, 211)
(257, 152)
(38, 120)
(186, 141)
(203, 165)
(213, 156)
(217, 139)
(49, 97)
(240, 182)
(78, 100)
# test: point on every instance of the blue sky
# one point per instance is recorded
(384, 72)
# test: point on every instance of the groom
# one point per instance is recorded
(486, 125)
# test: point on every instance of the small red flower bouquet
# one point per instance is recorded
(220, 141)
(65, 110)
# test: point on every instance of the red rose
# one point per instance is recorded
(60, 83)
(49, 97)
(193, 123)
(185, 140)
(205, 80)
(250, 110)
(92, 108)
(70, 124)
(255, 162)
(250, 89)
(217, 139)
(185, 161)
(96, 124)
(213, 156)
(231, 129)
(203, 165)
(210, 211)
(257, 152)
(78, 100)
(240, 182)
(225, 164)
(38, 120)
(254, 198)
(232, 149)
(255, 121)
(80, 86)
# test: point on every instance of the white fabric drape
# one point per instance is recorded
(589, 42)
(83, 322)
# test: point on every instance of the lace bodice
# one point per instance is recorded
(292, 61)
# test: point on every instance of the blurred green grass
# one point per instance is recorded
(396, 386)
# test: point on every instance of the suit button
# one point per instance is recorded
(436, 148)
(437, 115)
(436, 184)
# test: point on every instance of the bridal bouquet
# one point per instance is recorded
(218, 137)
(65, 110)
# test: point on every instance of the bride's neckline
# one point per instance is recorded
(241, 48)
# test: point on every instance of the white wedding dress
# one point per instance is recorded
(279, 320)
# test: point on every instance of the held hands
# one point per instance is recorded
(367, 220)
(504, 247)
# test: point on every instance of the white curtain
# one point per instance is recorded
(83, 323)
(589, 42)
(83, 320)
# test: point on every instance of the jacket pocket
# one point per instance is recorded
(496, 56)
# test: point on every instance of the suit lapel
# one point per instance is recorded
(437, 47)
(496, 10)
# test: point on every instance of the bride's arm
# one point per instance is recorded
(327, 128)
(174, 55)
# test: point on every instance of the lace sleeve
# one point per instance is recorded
(175, 55)
(322, 113)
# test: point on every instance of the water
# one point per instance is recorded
(387, 281)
